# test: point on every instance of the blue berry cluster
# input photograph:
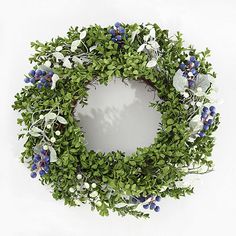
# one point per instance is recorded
(117, 33)
(190, 70)
(40, 78)
(150, 202)
(207, 116)
(41, 163)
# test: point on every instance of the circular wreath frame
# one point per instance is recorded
(112, 181)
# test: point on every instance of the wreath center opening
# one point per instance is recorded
(118, 116)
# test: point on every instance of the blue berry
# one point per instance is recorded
(50, 73)
(121, 30)
(44, 73)
(112, 32)
(202, 134)
(32, 73)
(157, 209)
(27, 80)
(212, 108)
(34, 167)
(46, 168)
(42, 173)
(152, 205)
(39, 85)
(196, 64)
(118, 37)
(146, 206)
(33, 174)
(192, 59)
(191, 83)
(193, 71)
(204, 115)
(114, 40)
(38, 73)
(47, 159)
(205, 109)
(182, 66)
(206, 127)
(117, 24)
(142, 199)
(43, 80)
(36, 158)
(158, 199)
(212, 113)
(44, 152)
(32, 80)
(209, 122)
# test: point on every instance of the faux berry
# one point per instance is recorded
(42, 173)
(33, 174)
(117, 24)
(157, 209)
(152, 205)
(146, 206)
(32, 73)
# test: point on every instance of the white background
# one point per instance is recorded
(27, 208)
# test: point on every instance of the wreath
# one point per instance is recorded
(55, 148)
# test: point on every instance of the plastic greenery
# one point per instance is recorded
(55, 148)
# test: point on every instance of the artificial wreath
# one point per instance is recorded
(55, 148)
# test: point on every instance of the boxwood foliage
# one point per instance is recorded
(155, 170)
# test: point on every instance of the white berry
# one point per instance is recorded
(41, 117)
(71, 190)
(93, 194)
(86, 185)
(53, 140)
(94, 185)
(98, 203)
(77, 202)
(45, 147)
(57, 132)
(186, 95)
(49, 126)
(79, 176)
